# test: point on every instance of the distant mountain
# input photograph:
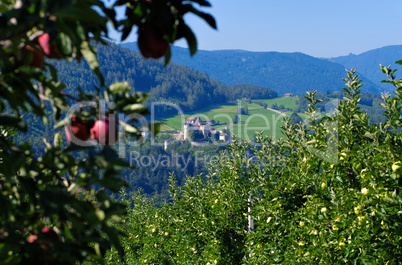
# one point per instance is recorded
(283, 72)
(178, 84)
(185, 87)
(368, 63)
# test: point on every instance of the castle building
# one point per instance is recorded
(202, 130)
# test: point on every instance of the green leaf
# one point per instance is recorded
(112, 233)
(135, 108)
(191, 39)
(63, 122)
(168, 55)
(66, 43)
(57, 140)
(369, 135)
(90, 56)
(75, 13)
(154, 127)
(128, 128)
(120, 87)
(207, 17)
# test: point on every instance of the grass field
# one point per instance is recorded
(288, 102)
(258, 118)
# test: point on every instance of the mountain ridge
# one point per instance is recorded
(368, 63)
(293, 72)
(174, 85)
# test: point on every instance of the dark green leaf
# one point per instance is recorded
(191, 40)
(14, 122)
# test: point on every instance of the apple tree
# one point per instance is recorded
(319, 208)
(205, 222)
(56, 206)
(329, 192)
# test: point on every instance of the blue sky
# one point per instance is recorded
(321, 28)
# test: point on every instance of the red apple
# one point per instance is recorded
(151, 42)
(49, 233)
(48, 49)
(32, 238)
(78, 128)
(45, 247)
(45, 238)
(105, 131)
(37, 59)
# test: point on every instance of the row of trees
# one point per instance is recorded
(249, 92)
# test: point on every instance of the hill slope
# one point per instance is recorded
(178, 84)
(181, 85)
(282, 72)
(368, 63)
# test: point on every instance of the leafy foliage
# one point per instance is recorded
(56, 204)
(328, 193)
(295, 118)
(370, 103)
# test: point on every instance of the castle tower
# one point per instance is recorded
(166, 145)
(185, 128)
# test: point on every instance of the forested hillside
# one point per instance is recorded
(283, 72)
(189, 89)
(153, 165)
(250, 92)
(368, 63)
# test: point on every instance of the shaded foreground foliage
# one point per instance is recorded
(56, 207)
(330, 193)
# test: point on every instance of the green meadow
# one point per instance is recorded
(288, 102)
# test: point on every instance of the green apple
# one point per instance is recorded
(357, 210)
(343, 156)
(396, 166)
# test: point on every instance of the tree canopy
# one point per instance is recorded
(329, 193)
